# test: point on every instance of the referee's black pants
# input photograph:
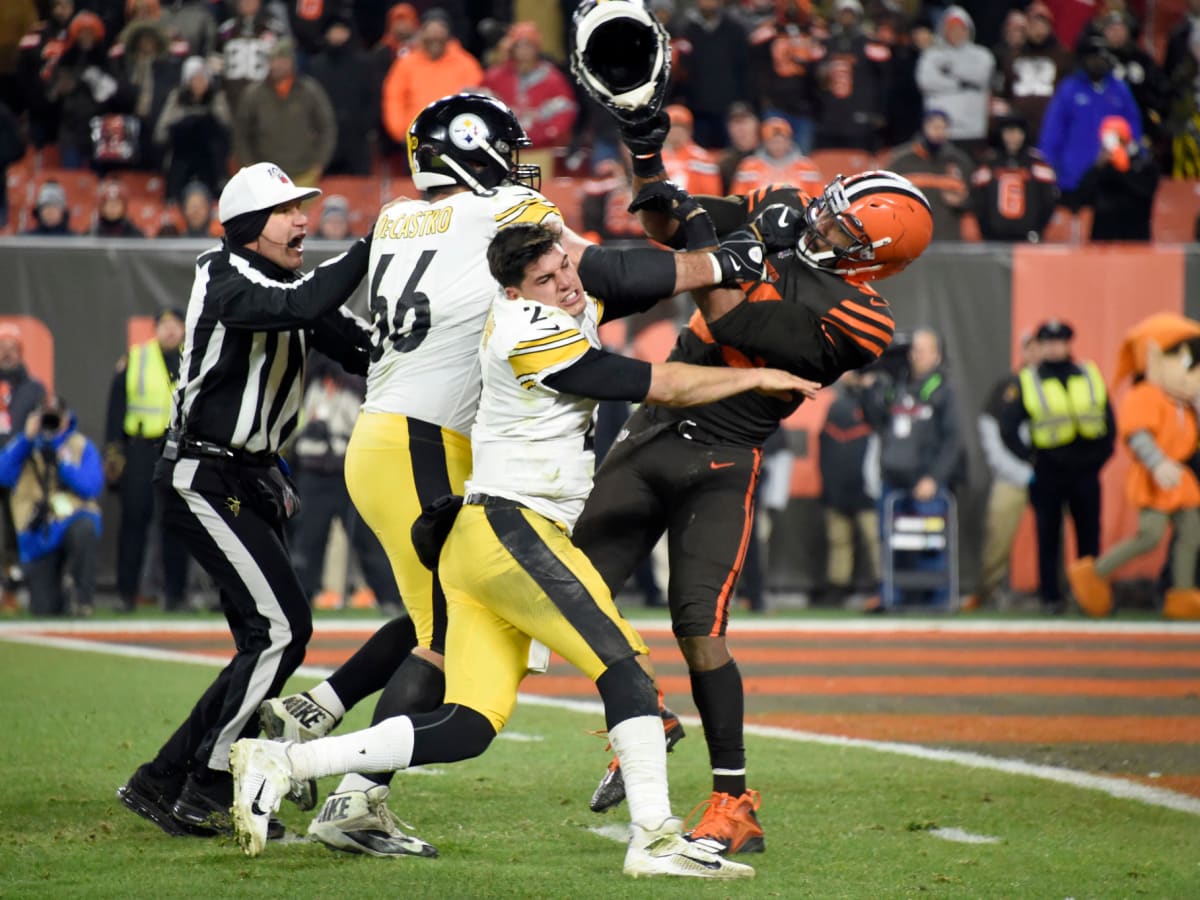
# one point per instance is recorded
(1052, 489)
(205, 502)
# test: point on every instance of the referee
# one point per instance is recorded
(251, 319)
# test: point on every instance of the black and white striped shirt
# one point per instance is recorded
(249, 327)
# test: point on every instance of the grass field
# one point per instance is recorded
(840, 821)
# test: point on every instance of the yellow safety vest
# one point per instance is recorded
(1058, 414)
(148, 389)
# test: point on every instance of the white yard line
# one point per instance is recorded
(28, 633)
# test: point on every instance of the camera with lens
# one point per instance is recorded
(51, 420)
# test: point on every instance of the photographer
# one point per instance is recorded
(55, 475)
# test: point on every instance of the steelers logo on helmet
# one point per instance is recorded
(468, 132)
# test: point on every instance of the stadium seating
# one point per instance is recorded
(363, 192)
(834, 162)
(1176, 208)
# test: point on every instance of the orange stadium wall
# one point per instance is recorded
(79, 297)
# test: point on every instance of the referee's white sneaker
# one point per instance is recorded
(262, 775)
(361, 822)
(665, 851)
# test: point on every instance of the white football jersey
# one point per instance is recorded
(530, 443)
(430, 292)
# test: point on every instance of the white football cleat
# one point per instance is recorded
(665, 851)
(360, 822)
(262, 776)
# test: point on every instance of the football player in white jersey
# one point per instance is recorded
(508, 565)
(430, 293)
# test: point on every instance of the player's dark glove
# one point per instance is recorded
(670, 199)
(742, 257)
(779, 226)
(645, 136)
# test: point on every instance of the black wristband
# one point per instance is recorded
(648, 166)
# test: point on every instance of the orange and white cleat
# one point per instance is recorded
(729, 824)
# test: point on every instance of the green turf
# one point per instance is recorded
(839, 822)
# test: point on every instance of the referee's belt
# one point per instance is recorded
(492, 500)
(195, 447)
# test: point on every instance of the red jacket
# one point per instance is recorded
(542, 101)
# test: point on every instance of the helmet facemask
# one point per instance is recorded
(829, 214)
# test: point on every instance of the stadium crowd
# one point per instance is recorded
(162, 98)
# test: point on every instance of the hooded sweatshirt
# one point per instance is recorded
(956, 80)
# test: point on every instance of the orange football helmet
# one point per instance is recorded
(867, 226)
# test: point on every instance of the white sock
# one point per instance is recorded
(352, 781)
(385, 747)
(641, 747)
(327, 697)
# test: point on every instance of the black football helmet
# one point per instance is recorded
(622, 57)
(468, 139)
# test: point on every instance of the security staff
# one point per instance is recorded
(250, 322)
(139, 411)
(1072, 433)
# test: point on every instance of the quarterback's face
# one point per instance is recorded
(553, 280)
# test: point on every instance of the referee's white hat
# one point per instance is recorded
(258, 187)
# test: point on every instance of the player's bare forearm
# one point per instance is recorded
(682, 384)
(658, 225)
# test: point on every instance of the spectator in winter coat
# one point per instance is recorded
(941, 170)
(37, 59)
(148, 66)
(112, 209)
(244, 45)
(715, 53)
(194, 131)
(533, 87)
(343, 70)
(1070, 138)
(853, 75)
(955, 75)
(436, 67)
(50, 212)
(1025, 80)
(398, 39)
(287, 119)
(84, 84)
(1144, 77)
(745, 137)
(777, 161)
(783, 56)
(1014, 192)
(1120, 186)
(687, 163)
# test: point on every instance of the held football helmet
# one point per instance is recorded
(468, 139)
(622, 57)
(867, 226)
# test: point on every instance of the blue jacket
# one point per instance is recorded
(1070, 135)
(84, 480)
